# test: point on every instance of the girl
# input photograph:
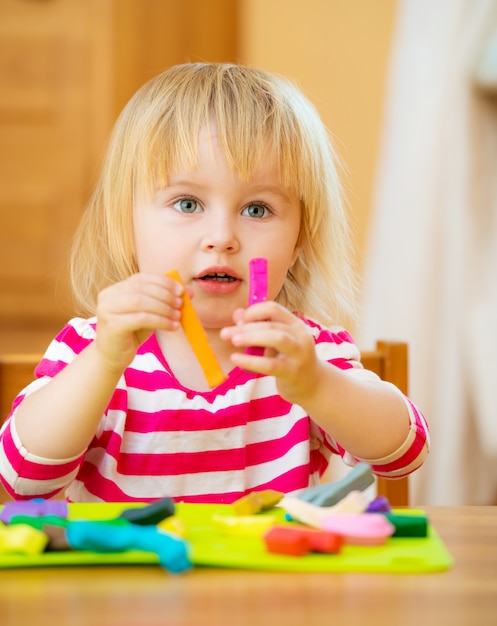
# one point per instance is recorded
(209, 166)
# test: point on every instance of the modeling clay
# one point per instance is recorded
(279, 541)
(408, 525)
(38, 522)
(257, 291)
(174, 525)
(298, 541)
(197, 338)
(328, 494)
(257, 501)
(150, 513)
(258, 280)
(22, 539)
(113, 536)
(57, 537)
(379, 505)
(35, 507)
(365, 529)
(243, 524)
(313, 515)
(353, 502)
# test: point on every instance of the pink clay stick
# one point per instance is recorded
(258, 280)
(257, 290)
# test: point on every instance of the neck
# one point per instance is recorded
(182, 360)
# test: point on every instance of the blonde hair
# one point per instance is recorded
(159, 127)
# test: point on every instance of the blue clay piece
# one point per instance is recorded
(172, 551)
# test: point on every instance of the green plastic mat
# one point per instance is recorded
(212, 547)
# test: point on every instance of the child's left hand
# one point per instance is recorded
(289, 355)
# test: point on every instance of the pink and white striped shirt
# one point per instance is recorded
(158, 438)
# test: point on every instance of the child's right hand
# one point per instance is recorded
(129, 311)
(58, 420)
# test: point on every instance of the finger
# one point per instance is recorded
(160, 286)
(238, 316)
(271, 363)
(268, 310)
(140, 303)
(268, 336)
(142, 293)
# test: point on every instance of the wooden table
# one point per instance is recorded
(148, 596)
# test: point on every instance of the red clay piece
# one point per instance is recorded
(297, 541)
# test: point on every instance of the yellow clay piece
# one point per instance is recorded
(22, 539)
(257, 501)
(243, 524)
(174, 525)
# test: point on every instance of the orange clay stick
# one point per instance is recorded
(195, 334)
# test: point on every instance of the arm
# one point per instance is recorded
(370, 419)
(59, 420)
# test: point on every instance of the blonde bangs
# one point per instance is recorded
(248, 107)
(258, 116)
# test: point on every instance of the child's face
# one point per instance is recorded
(208, 224)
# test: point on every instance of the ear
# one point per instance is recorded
(295, 254)
(299, 245)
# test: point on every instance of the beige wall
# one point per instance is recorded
(337, 51)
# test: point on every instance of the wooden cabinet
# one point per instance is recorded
(66, 69)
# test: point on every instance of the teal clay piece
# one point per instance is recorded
(172, 551)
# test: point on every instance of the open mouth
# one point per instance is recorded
(221, 277)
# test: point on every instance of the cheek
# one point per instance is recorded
(277, 275)
(142, 247)
(139, 237)
(153, 250)
(295, 255)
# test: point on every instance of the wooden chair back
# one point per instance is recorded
(389, 360)
(16, 371)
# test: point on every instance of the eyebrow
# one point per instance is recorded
(274, 190)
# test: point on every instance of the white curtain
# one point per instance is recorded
(431, 266)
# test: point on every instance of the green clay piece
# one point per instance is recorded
(39, 522)
(408, 525)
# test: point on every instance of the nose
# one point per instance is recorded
(221, 235)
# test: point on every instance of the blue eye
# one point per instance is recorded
(186, 205)
(256, 210)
